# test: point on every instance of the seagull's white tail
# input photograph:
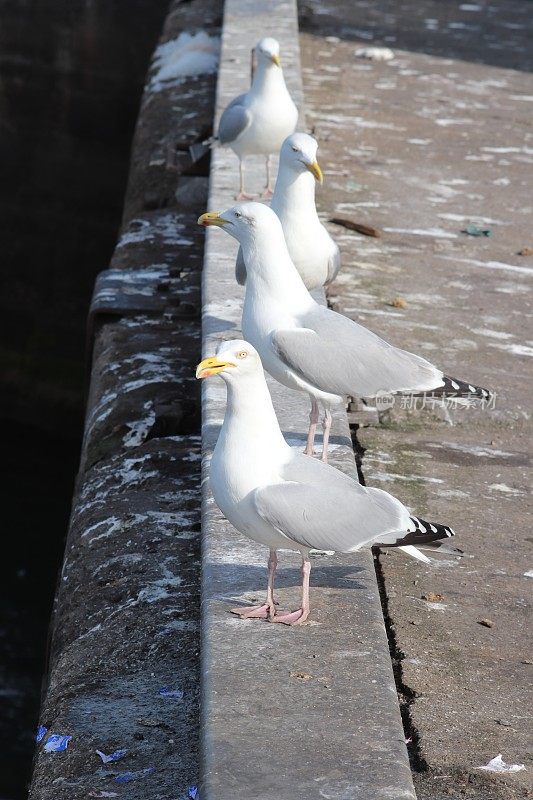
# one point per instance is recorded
(414, 553)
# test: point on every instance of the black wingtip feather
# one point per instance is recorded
(453, 387)
(426, 532)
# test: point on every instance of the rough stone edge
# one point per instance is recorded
(225, 774)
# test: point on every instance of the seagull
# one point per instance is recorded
(256, 123)
(312, 250)
(286, 501)
(308, 347)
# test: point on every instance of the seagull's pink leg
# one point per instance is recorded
(326, 427)
(242, 194)
(268, 609)
(299, 616)
(313, 421)
(268, 188)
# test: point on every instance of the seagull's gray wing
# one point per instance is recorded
(339, 356)
(319, 507)
(334, 264)
(234, 120)
(240, 268)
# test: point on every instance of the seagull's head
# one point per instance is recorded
(249, 223)
(267, 52)
(234, 360)
(298, 153)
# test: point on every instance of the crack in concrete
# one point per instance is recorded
(406, 695)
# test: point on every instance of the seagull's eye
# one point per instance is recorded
(237, 215)
(294, 149)
(242, 354)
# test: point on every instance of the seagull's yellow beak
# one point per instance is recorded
(211, 366)
(212, 218)
(314, 168)
(276, 60)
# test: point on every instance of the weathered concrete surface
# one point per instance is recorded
(166, 129)
(431, 143)
(126, 626)
(268, 734)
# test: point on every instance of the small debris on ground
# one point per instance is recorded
(303, 676)
(115, 756)
(103, 794)
(525, 251)
(153, 723)
(359, 227)
(497, 764)
(56, 742)
(192, 793)
(172, 694)
(398, 302)
(126, 777)
(528, 574)
(475, 230)
(504, 723)
(375, 53)
(41, 733)
(487, 623)
(432, 597)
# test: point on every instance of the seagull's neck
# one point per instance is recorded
(271, 273)
(267, 79)
(250, 418)
(294, 196)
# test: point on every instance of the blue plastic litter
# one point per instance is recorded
(173, 694)
(126, 777)
(192, 793)
(112, 756)
(41, 733)
(56, 742)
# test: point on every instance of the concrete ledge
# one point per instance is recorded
(300, 713)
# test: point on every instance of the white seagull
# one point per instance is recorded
(312, 250)
(307, 346)
(281, 499)
(256, 123)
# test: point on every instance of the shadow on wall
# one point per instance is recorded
(71, 77)
(497, 33)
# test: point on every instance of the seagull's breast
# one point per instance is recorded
(310, 248)
(261, 316)
(273, 118)
(235, 474)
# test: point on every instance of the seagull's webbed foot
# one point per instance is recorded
(244, 196)
(297, 617)
(266, 611)
(268, 193)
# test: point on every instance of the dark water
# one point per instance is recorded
(71, 75)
